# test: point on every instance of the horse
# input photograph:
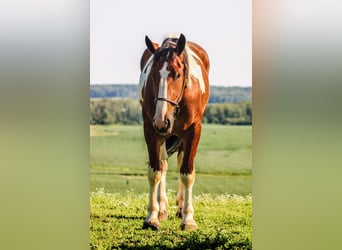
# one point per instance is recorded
(174, 95)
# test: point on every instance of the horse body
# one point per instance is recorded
(174, 95)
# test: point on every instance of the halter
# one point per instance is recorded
(167, 43)
(174, 103)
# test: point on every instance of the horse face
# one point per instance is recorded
(168, 77)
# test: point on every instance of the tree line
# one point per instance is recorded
(217, 94)
(128, 111)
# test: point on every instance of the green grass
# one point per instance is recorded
(118, 160)
(224, 222)
(222, 201)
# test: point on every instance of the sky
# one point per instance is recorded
(222, 27)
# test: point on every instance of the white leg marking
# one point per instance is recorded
(162, 197)
(188, 222)
(154, 178)
(161, 109)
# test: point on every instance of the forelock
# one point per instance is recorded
(164, 54)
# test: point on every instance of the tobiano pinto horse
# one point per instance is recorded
(174, 94)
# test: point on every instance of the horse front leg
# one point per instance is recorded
(152, 220)
(188, 223)
(162, 197)
(187, 176)
(154, 176)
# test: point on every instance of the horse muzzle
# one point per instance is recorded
(163, 127)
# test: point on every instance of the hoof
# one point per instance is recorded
(153, 226)
(179, 214)
(189, 226)
(162, 215)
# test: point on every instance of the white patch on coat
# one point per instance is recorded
(144, 75)
(194, 69)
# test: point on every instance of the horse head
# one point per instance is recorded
(167, 76)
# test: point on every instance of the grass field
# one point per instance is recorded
(118, 160)
(224, 223)
(119, 187)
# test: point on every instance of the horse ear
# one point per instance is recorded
(152, 47)
(180, 44)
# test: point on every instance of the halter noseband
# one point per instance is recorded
(167, 100)
(173, 103)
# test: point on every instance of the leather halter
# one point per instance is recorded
(167, 43)
(174, 103)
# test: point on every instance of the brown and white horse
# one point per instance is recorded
(174, 95)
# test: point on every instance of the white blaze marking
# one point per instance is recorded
(163, 72)
(161, 108)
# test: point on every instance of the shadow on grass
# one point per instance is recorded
(129, 217)
(194, 241)
(118, 216)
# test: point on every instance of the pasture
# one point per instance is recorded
(118, 160)
(119, 187)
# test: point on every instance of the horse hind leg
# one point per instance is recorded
(180, 193)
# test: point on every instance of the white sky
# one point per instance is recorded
(222, 27)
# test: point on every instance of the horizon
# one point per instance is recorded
(211, 85)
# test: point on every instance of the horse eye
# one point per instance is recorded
(178, 75)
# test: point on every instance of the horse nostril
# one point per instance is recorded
(167, 122)
(163, 129)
